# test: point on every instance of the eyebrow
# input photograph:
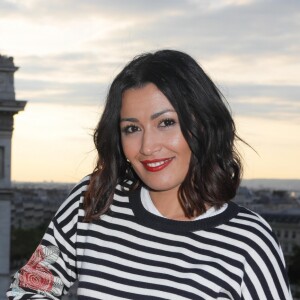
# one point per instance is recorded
(156, 115)
(152, 117)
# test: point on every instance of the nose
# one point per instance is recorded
(150, 143)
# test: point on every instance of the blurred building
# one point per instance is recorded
(8, 107)
(286, 225)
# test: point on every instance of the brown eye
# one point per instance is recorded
(130, 129)
(167, 123)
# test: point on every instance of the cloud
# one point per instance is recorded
(250, 48)
(265, 101)
(40, 91)
(260, 28)
(77, 78)
(66, 67)
(8, 7)
(203, 28)
(68, 10)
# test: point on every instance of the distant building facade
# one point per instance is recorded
(33, 207)
(281, 209)
(286, 225)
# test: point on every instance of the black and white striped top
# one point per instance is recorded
(133, 254)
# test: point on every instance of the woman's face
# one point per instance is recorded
(152, 139)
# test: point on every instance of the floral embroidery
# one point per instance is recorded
(36, 275)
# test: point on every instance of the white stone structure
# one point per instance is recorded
(8, 107)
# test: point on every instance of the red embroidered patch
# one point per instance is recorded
(34, 275)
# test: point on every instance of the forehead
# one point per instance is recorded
(143, 100)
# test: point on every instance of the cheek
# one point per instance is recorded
(179, 144)
(129, 147)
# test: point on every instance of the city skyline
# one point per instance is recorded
(70, 51)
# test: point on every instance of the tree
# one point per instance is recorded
(24, 242)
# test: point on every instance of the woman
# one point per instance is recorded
(155, 220)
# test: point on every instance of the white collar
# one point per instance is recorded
(149, 206)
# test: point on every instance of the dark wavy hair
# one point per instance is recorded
(215, 168)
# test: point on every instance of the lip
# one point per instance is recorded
(155, 165)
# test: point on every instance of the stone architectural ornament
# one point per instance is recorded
(9, 106)
(7, 69)
(6, 61)
(8, 103)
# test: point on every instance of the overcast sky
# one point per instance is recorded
(69, 51)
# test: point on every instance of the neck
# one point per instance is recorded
(167, 203)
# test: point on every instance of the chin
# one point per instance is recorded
(161, 187)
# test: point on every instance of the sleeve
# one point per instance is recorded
(265, 276)
(51, 270)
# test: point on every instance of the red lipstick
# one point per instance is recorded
(156, 165)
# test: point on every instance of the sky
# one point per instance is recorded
(69, 51)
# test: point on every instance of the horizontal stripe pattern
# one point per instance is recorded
(131, 254)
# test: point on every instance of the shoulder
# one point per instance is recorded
(74, 202)
(249, 234)
(255, 224)
(238, 219)
(249, 225)
(252, 236)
